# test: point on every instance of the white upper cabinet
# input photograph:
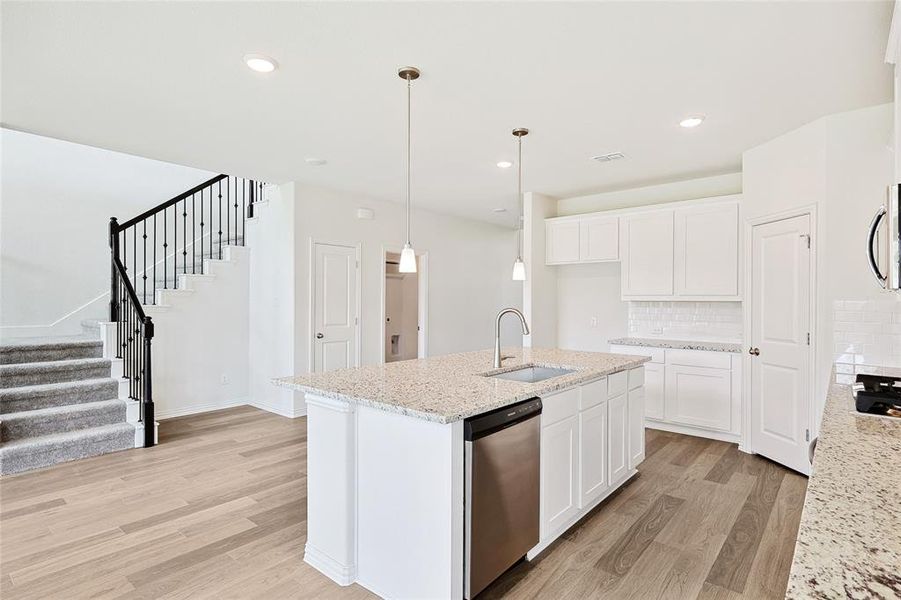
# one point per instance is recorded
(706, 251)
(562, 242)
(647, 254)
(598, 239)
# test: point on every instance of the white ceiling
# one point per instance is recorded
(166, 81)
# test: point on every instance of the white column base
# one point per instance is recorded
(139, 434)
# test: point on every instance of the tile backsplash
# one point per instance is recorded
(866, 334)
(702, 321)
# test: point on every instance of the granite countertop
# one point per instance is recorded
(849, 540)
(448, 388)
(679, 344)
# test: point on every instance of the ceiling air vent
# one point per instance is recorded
(610, 156)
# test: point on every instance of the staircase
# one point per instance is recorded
(63, 399)
(58, 402)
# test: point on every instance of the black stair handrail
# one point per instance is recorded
(167, 222)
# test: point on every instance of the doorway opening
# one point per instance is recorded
(403, 302)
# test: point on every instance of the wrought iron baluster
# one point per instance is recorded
(243, 209)
(153, 300)
(201, 232)
(165, 252)
(184, 241)
(236, 210)
(193, 235)
(220, 218)
(144, 295)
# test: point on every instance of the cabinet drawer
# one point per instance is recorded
(617, 383)
(636, 378)
(593, 393)
(559, 406)
(699, 358)
(658, 355)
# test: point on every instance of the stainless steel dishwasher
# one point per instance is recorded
(502, 460)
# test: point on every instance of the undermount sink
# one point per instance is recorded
(531, 374)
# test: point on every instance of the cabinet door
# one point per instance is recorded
(593, 459)
(598, 239)
(562, 242)
(653, 390)
(706, 250)
(699, 396)
(647, 253)
(618, 433)
(636, 426)
(559, 474)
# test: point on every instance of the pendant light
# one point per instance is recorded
(407, 255)
(519, 267)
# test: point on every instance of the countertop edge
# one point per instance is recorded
(591, 374)
(671, 344)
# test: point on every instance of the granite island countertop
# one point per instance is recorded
(678, 344)
(448, 388)
(849, 539)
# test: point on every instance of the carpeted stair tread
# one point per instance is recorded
(35, 397)
(35, 373)
(33, 453)
(30, 350)
(57, 419)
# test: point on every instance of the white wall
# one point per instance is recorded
(469, 267)
(201, 340)
(540, 288)
(272, 310)
(589, 308)
(842, 164)
(688, 189)
(56, 199)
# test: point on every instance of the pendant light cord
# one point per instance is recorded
(409, 174)
(519, 198)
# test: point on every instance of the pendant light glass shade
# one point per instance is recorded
(519, 270)
(519, 267)
(407, 260)
(408, 256)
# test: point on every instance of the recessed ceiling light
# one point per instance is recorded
(608, 157)
(260, 63)
(499, 210)
(692, 121)
(316, 162)
(504, 164)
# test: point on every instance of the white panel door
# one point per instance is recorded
(618, 432)
(636, 426)
(653, 390)
(334, 307)
(562, 242)
(699, 396)
(559, 474)
(598, 239)
(647, 254)
(780, 322)
(593, 443)
(706, 250)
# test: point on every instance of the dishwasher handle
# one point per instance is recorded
(500, 418)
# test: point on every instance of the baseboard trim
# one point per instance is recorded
(279, 410)
(721, 436)
(328, 566)
(200, 408)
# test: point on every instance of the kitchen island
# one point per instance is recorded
(385, 488)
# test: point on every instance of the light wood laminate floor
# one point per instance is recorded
(218, 510)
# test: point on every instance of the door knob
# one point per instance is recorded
(319, 336)
(754, 351)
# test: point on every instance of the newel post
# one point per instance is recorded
(114, 253)
(147, 379)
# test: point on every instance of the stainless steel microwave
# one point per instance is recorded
(884, 246)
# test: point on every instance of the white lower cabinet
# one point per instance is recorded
(593, 444)
(618, 418)
(699, 396)
(559, 474)
(697, 392)
(653, 390)
(636, 426)
(590, 444)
